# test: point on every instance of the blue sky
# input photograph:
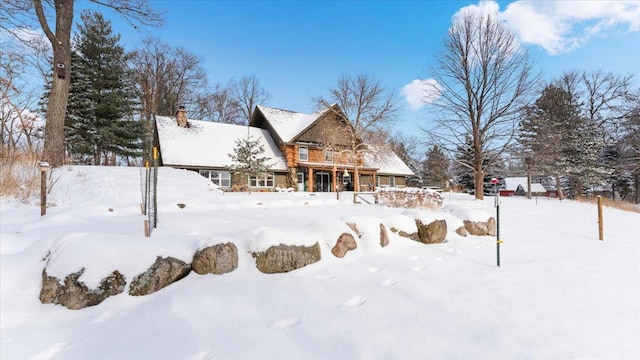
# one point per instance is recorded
(298, 49)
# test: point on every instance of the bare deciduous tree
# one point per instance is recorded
(19, 128)
(219, 106)
(247, 93)
(485, 79)
(369, 108)
(57, 29)
(167, 77)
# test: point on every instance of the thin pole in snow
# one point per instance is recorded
(494, 181)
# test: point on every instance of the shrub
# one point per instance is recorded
(411, 198)
(19, 176)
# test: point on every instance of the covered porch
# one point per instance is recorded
(332, 178)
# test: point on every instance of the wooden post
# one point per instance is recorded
(147, 230)
(334, 182)
(43, 193)
(600, 222)
(528, 184)
(43, 166)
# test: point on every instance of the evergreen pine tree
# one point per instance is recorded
(248, 158)
(80, 132)
(561, 141)
(105, 81)
(436, 167)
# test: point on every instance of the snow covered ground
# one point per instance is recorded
(559, 294)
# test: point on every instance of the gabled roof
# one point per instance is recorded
(207, 144)
(387, 163)
(289, 124)
(512, 183)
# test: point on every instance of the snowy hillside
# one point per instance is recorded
(560, 292)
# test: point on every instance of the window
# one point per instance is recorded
(378, 181)
(303, 153)
(392, 181)
(219, 177)
(351, 159)
(265, 180)
(328, 156)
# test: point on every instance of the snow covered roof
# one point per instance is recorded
(289, 124)
(512, 183)
(387, 162)
(207, 144)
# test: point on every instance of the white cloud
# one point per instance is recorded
(561, 26)
(483, 8)
(421, 92)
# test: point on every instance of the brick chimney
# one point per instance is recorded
(181, 117)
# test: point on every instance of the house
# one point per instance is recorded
(517, 186)
(309, 152)
(318, 149)
(204, 146)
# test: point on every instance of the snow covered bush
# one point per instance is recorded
(411, 198)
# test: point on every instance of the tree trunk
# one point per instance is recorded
(59, 95)
(356, 175)
(479, 180)
(637, 183)
(559, 188)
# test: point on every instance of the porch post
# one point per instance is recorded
(334, 180)
(310, 180)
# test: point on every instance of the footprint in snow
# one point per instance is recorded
(438, 259)
(287, 323)
(417, 268)
(388, 282)
(375, 269)
(355, 301)
(325, 277)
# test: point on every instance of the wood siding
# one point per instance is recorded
(328, 130)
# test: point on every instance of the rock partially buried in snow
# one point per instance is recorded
(481, 228)
(217, 259)
(433, 233)
(163, 272)
(384, 236)
(462, 231)
(354, 227)
(345, 243)
(284, 258)
(74, 294)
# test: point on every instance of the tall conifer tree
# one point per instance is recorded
(100, 113)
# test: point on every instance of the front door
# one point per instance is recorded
(323, 182)
(300, 181)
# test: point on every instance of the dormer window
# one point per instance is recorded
(303, 153)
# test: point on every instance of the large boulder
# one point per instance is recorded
(74, 294)
(284, 258)
(163, 272)
(217, 259)
(492, 227)
(481, 228)
(432, 233)
(345, 243)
